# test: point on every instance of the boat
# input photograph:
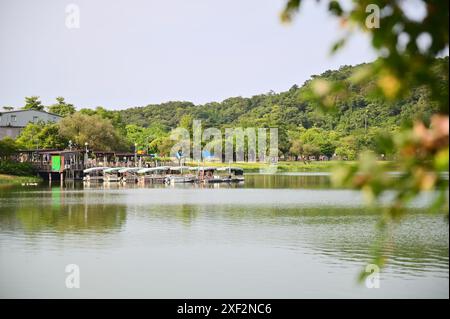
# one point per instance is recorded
(153, 175)
(129, 174)
(203, 174)
(230, 175)
(164, 174)
(94, 174)
(219, 174)
(177, 175)
(112, 175)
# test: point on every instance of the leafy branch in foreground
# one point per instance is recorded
(407, 50)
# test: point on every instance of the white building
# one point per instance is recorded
(12, 122)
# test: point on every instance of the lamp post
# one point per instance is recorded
(86, 154)
(71, 157)
(135, 154)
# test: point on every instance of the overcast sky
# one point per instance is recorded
(136, 52)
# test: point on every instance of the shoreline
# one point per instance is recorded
(289, 166)
(7, 179)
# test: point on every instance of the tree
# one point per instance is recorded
(8, 108)
(40, 135)
(33, 103)
(324, 140)
(114, 116)
(310, 150)
(347, 148)
(98, 132)
(61, 107)
(186, 122)
(153, 147)
(165, 146)
(7, 148)
(143, 136)
(296, 149)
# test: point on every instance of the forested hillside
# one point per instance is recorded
(290, 108)
(359, 114)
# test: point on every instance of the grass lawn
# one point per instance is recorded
(17, 180)
(289, 166)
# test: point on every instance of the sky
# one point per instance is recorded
(129, 53)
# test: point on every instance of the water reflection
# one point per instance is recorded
(289, 180)
(296, 218)
(342, 232)
(58, 210)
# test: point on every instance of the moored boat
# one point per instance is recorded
(153, 175)
(129, 174)
(111, 175)
(181, 174)
(230, 174)
(94, 174)
(219, 174)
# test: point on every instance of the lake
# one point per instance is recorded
(275, 236)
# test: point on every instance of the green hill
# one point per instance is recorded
(292, 108)
(358, 115)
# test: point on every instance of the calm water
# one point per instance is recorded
(277, 236)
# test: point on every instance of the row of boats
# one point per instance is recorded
(164, 175)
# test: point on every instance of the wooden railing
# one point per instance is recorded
(47, 166)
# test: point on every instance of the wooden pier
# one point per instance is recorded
(62, 165)
(110, 167)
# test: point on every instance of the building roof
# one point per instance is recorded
(125, 154)
(15, 111)
(37, 150)
(51, 151)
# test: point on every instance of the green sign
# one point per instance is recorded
(56, 163)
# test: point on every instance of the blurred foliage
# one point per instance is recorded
(407, 49)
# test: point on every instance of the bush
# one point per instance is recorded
(14, 168)
(7, 147)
